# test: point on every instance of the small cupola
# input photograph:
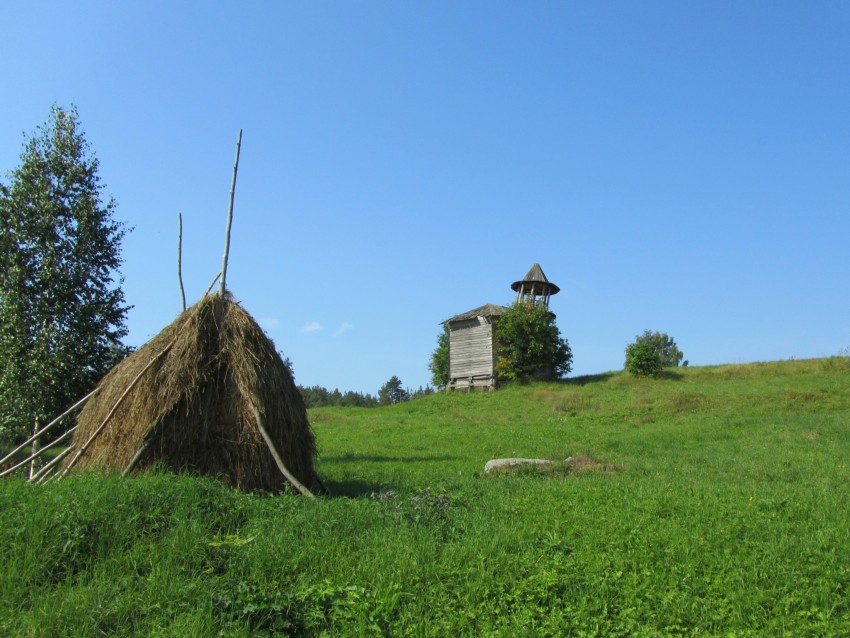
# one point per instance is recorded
(534, 287)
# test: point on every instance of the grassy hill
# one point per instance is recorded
(712, 501)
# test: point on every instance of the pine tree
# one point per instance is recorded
(392, 392)
(62, 310)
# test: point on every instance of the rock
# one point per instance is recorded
(509, 464)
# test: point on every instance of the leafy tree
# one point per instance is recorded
(392, 392)
(439, 365)
(62, 311)
(642, 359)
(529, 344)
(664, 345)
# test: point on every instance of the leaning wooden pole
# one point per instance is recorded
(48, 426)
(278, 461)
(36, 454)
(230, 217)
(44, 472)
(212, 284)
(138, 455)
(107, 418)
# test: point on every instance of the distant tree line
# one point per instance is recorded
(392, 392)
(319, 397)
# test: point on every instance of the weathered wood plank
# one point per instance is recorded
(471, 348)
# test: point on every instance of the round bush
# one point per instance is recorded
(642, 360)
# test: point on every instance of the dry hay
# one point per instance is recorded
(193, 404)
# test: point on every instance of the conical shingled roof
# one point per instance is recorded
(536, 283)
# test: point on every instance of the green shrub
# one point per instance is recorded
(665, 346)
(530, 345)
(642, 359)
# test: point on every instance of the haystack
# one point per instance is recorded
(195, 408)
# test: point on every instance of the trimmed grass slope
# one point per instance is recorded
(712, 501)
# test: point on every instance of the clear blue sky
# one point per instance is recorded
(677, 166)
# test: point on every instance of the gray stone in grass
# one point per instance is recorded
(509, 464)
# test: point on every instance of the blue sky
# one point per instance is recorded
(677, 166)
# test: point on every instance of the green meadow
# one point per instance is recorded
(712, 501)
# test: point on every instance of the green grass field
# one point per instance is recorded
(711, 502)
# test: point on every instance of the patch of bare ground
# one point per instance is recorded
(570, 401)
(581, 463)
(576, 465)
(686, 402)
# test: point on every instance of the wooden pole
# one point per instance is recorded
(115, 406)
(180, 257)
(278, 461)
(34, 450)
(43, 472)
(137, 457)
(48, 426)
(36, 454)
(230, 217)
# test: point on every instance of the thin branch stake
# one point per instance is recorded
(115, 406)
(230, 217)
(180, 257)
(48, 426)
(322, 484)
(212, 284)
(278, 461)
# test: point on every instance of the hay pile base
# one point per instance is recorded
(193, 406)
